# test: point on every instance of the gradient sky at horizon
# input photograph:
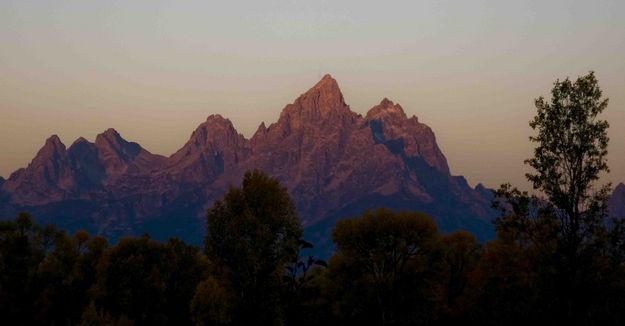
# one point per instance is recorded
(154, 70)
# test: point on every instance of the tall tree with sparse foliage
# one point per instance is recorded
(571, 153)
(566, 227)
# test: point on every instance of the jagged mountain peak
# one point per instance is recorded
(54, 140)
(261, 130)
(326, 83)
(320, 102)
(110, 142)
(53, 144)
(386, 110)
(109, 133)
(119, 156)
(390, 125)
(214, 146)
(80, 140)
(53, 149)
(46, 179)
(320, 110)
(218, 119)
(326, 92)
(334, 162)
(216, 129)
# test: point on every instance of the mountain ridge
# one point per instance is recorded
(334, 162)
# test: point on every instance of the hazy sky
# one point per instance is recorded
(154, 70)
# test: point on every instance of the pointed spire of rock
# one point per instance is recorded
(386, 102)
(120, 156)
(110, 136)
(111, 144)
(327, 83)
(47, 178)
(322, 107)
(262, 128)
(325, 97)
(53, 148)
(111, 132)
(216, 129)
(215, 146)
(328, 93)
(54, 140)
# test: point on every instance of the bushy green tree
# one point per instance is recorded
(384, 267)
(65, 278)
(147, 281)
(212, 303)
(252, 234)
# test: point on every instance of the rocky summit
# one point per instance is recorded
(334, 162)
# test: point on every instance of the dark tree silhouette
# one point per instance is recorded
(567, 228)
(252, 235)
(387, 260)
(571, 152)
(460, 255)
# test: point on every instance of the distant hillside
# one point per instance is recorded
(616, 204)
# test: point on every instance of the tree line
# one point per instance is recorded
(556, 258)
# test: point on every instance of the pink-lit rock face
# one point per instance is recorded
(47, 178)
(417, 138)
(120, 157)
(333, 161)
(215, 147)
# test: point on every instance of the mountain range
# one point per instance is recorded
(334, 162)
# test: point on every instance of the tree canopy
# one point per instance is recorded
(251, 235)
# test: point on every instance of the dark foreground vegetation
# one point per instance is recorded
(556, 258)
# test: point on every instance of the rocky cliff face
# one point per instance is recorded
(390, 125)
(120, 157)
(47, 178)
(214, 148)
(334, 162)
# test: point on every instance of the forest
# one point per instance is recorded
(556, 258)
